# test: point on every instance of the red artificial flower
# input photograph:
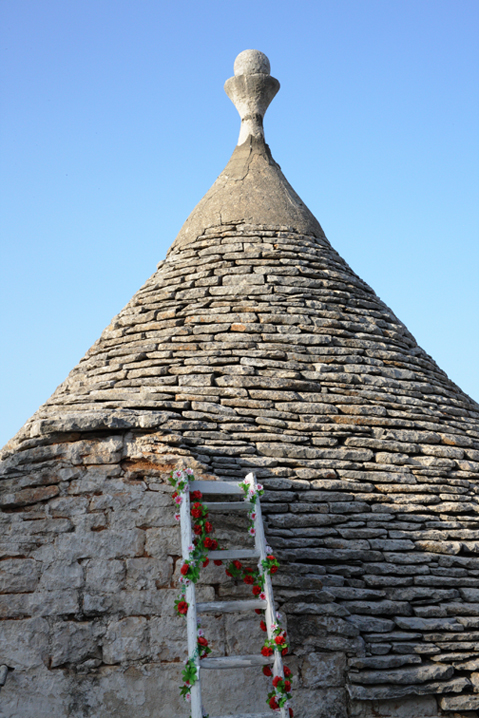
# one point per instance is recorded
(196, 513)
(279, 640)
(214, 544)
(271, 558)
(183, 607)
(228, 573)
(202, 641)
(218, 563)
(184, 569)
(248, 579)
(287, 671)
(262, 625)
(256, 592)
(276, 680)
(267, 671)
(208, 542)
(196, 495)
(267, 651)
(197, 529)
(291, 714)
(249, 570)
(284, 652)
(237, 564)
(174, 494)
(272, 704)
(206, 562)
(257, 610)
(208, 527)
(273, 569)
(287, 686)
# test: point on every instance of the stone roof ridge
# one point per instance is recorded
(251, 189)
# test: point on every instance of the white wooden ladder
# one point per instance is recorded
(259, 552)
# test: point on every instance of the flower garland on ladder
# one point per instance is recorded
(280, 694)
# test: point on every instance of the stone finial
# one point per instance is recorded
(251, 90)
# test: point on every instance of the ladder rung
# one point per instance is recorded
(229, 506)
(216, 487)
(236, 661)
(249, 715)
(230, 606)
(233, 553)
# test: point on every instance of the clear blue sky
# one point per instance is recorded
(114, 124)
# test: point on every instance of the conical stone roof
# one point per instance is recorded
(255, 346)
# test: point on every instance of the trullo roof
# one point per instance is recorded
(255, 346)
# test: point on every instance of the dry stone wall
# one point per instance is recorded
(253, 348)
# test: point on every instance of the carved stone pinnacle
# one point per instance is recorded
(251, 90)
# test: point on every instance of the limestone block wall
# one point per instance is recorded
(89, 562)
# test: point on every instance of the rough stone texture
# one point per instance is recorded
(253, 347)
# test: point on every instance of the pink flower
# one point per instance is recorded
(259, 487)
(188, 697)
(189, 472)
(201, 632)
(253, 515)
(252, 531)
(262, 596)
(177, 517)
(191, 548)
(178, 500)
(177, 474)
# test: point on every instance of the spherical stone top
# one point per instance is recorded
(252, 62)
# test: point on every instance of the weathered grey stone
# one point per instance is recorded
(321, 703)
(375, 608)
(54, 603)
(24, 644)
(380, 693)
(460, 703)
(470, 594)
(371, 624)
(113, 544)
(409, 676)
(380, 662)
(61, 575)
(417, 707)
(126, 640)
(320, 669)
(106, 576)
(25, 497)
(18, 575)
(74, 642)
(242, 634)
(429, 624)
(148, 573)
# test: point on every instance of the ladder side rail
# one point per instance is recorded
(260, 544)
(191, 618)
